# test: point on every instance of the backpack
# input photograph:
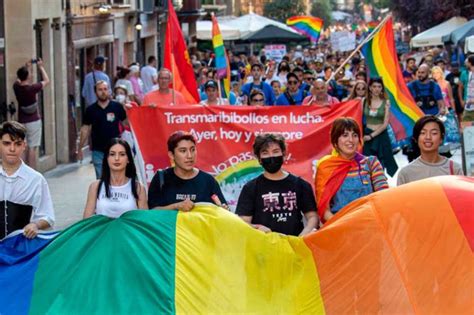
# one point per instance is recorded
(426, 102)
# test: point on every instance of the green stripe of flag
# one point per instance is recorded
(103, 267)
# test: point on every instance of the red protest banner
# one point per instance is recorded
(225, 135)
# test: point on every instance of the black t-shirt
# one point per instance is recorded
(105, 123)
(175, 189)
(277, 204)
(454, 80)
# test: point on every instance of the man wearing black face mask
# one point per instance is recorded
(276, 200)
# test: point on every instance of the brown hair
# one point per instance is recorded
(372, 81)
(340, 125)
(354, 92)
(178, 136)
(16, 130)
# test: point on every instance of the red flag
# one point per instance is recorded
(176, 59)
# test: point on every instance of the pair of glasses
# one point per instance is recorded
(309, 79)
(360, 89)
(258, 100)
(292, 82)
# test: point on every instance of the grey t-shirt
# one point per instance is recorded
(419, 169)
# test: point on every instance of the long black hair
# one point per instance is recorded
(130, 170)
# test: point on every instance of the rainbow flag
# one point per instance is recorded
(306, 25)
(405, 250)
(372, 25)
(219, 49)
(382, 61)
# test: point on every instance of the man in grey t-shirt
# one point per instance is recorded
(429, 133)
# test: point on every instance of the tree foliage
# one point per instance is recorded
(322, 9)
(281, 10)
(427, 13)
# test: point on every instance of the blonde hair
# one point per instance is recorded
(437, 69)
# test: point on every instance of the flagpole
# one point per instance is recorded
(219, 89)
(371, 35)
(173, 96)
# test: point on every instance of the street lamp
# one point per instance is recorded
(138, 25)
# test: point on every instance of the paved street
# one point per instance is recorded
(69, 183)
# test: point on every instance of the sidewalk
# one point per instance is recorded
(68, 184)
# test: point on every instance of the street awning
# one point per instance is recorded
(434, 35)
(251, 23)
(204, 31)
(233, 28)
(273, 34)
(460, 34)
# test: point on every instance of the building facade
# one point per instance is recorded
(68, 35)
(30, 30)
(123, 31)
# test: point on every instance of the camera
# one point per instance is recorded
(35, 60)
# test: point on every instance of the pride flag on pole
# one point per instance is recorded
(221, 60)
(382, 61)
(306, 25)
(176, 59)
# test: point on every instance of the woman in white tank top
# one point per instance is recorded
(118, 190)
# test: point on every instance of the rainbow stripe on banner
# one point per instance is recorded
(405, 250)
(306, 25)
(382, 61)
(219, 50)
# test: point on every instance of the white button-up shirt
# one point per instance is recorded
(28, 187)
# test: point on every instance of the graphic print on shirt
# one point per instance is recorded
(283, 210)
(110, 117)
(191, 197)
(115, 196)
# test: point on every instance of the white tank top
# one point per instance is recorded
(121, 200)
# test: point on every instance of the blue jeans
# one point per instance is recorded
(97, 159)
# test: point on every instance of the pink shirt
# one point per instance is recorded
(137, 89)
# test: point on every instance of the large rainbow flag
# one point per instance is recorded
(382, 61)
(221, 59)
(309, 26)
(406, 250)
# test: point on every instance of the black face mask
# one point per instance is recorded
(272, 164)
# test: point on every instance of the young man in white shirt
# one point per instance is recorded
(25, 201)
(428, 133)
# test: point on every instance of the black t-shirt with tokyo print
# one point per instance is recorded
(277, 204)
